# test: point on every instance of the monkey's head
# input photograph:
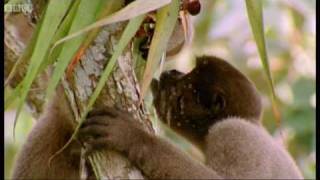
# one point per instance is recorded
(190, 103)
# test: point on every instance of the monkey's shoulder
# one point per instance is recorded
(248, 149)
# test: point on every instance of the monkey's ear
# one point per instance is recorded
(218, 102)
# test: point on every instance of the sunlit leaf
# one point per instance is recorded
(85, 15)
(61, 32)
(255, 15)
(132, 10)
(53, 16)
(165, 23)
(254, 9)
(14, 94)
(25, 57)
(127, 35)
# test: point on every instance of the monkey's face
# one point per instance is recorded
(190, 103)
(185, 104)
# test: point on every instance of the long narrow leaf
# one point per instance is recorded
(127, 35)
(26, 53)
(134, 9)
(255, 14)
(166, 21)
(13, 96)
(53, 16)
(254, 10)
(61, 32)
(106, 8)
(84, 16)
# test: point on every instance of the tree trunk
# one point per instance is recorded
(121, 90)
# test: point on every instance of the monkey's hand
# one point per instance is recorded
(110, 128)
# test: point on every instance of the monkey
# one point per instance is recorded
(215, 107)
(199, 105)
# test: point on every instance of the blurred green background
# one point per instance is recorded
(222, 29)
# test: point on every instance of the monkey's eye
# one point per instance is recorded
(202, 98)
(218, 102)
(215, 102)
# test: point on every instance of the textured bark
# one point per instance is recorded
(121, 91)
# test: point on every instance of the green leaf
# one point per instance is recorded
(105, 8)
(63, 28)
(127, 35)
(53, 16)
(62, 31)
(165, 23)
(132, 10)
(84, 16)
(14, 94)
(25, 57)
(255, 14)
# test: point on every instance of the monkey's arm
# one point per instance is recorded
(154, 156)
(238, 149)
(49, 134)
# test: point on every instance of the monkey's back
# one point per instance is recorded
(240, 149)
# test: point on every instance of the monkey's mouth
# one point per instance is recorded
(167, 80)
(165, 100)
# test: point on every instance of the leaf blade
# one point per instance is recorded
(255, 14)
(84, 16)
(166, 20)
(53, 16)
(127, 35)
(134, 9)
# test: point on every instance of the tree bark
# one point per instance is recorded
(121, 90)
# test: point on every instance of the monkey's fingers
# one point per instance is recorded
(93, 131)
(95, 144)
(97, 120)
(104, 111)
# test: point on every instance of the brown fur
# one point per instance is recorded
(50, 133)
(221, 114)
